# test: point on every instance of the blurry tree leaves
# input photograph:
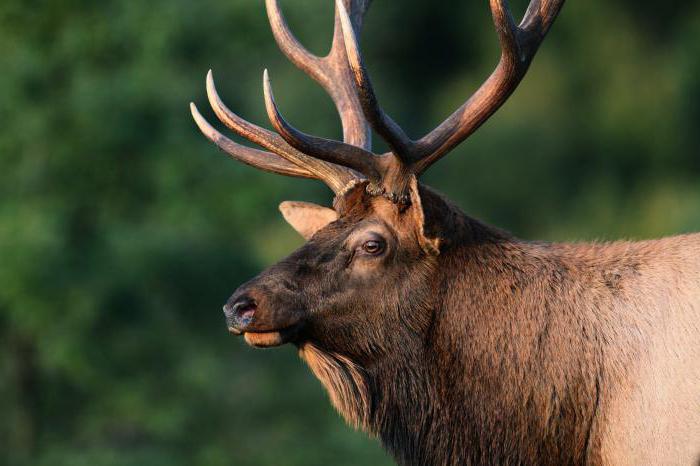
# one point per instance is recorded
(122, 230)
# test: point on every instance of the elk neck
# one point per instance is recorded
(504, 359)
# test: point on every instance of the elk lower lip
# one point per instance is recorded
(272, 338)
(263, 339)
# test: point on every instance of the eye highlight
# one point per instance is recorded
(373, 247)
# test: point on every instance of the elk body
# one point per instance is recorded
(450, 340)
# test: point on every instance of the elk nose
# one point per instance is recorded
(239, 313)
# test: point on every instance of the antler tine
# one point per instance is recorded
(255, 158)
(331, 72)
(398, 142)
(518, 47)
(539, 18)
(282, 159)
(253, 133)
(325, 149)
(290, 46)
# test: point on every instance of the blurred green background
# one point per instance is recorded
(123, 231)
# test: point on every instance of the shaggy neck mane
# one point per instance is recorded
(393, 400)
(346, 383)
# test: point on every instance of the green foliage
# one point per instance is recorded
(122, 231)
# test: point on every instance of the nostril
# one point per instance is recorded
(244, 309)
(239, 313)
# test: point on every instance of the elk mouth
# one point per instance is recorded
(260, 325)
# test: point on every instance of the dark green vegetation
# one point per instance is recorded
(123, 231)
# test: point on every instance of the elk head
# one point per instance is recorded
(365, 284)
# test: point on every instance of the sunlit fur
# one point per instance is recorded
(345, 381)
(468, 346)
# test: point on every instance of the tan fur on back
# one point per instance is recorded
(655, 417)
(645, 300)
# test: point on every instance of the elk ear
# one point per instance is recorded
(430, 244)
(307, 218)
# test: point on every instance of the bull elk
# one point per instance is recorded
(453, 341)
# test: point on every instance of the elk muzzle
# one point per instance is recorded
(265, 319)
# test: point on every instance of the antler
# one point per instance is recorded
(333, 73)
(518, 47)
(343, 75)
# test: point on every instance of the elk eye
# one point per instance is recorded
(373, 247)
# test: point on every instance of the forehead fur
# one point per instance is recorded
(357, 204)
